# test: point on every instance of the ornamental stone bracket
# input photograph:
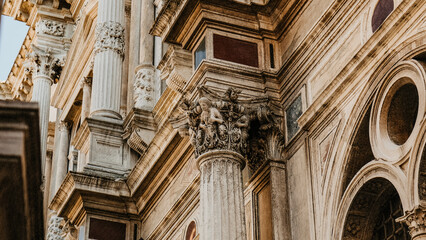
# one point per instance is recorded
(45, 62)
(176, 68)
(110, 36)
(250, 127)
(416, 222)
(140, 129)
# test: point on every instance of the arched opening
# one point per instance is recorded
(381, 12)
(360, 152)
(422, 176)
(373, 211)
(191, 231)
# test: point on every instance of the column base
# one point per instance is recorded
(100, 141)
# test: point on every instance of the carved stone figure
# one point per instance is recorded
(224, 122)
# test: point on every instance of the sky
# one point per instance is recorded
(12, 35)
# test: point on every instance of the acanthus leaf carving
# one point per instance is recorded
(44, 62)
(415, 220)
(110, 36)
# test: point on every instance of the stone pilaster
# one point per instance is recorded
(45, 68)
(416, 222)
(108, 61)
(87, 91)
(61, 170)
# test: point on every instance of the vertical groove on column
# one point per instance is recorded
(108, 65)
(221, 197)
(41, 94)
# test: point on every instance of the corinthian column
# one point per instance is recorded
(416, 222)
(45, 69)
(219, 133)
(61, 170)
(108, 62)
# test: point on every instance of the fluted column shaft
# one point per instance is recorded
(221, 196)
(108, 62)
(41, 94)
(87, 91)
(146, 55)
(61, 170)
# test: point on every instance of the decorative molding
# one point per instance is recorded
(110, 36)
(50, 27)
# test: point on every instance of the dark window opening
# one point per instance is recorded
(381, 12)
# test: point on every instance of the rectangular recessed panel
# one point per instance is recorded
(106, 230)
(235, 50)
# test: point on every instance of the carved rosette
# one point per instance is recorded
(110, 36)
(44, 63)
(50, 27)
(246, 127)
(144, 88)
(416, 221)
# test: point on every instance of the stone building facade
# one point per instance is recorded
(236, 119)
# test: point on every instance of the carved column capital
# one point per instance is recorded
(416, 222)
(64, 126)
(110, 36)
(45, 62)
(87, 81)
(248, 127)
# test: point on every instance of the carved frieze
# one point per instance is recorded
(215, 122)
(50, 27)
(110, 36)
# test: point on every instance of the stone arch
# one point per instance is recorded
(372, 186)
(412, 47)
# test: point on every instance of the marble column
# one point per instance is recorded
(87, 91)
(144, 85)
(47, 179)
(44, 67)
(221, 196)
(218, 129)
(61, 170)
(108, 62)
(416, 222)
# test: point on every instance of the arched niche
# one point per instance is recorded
(373, 211)
(191, 231)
